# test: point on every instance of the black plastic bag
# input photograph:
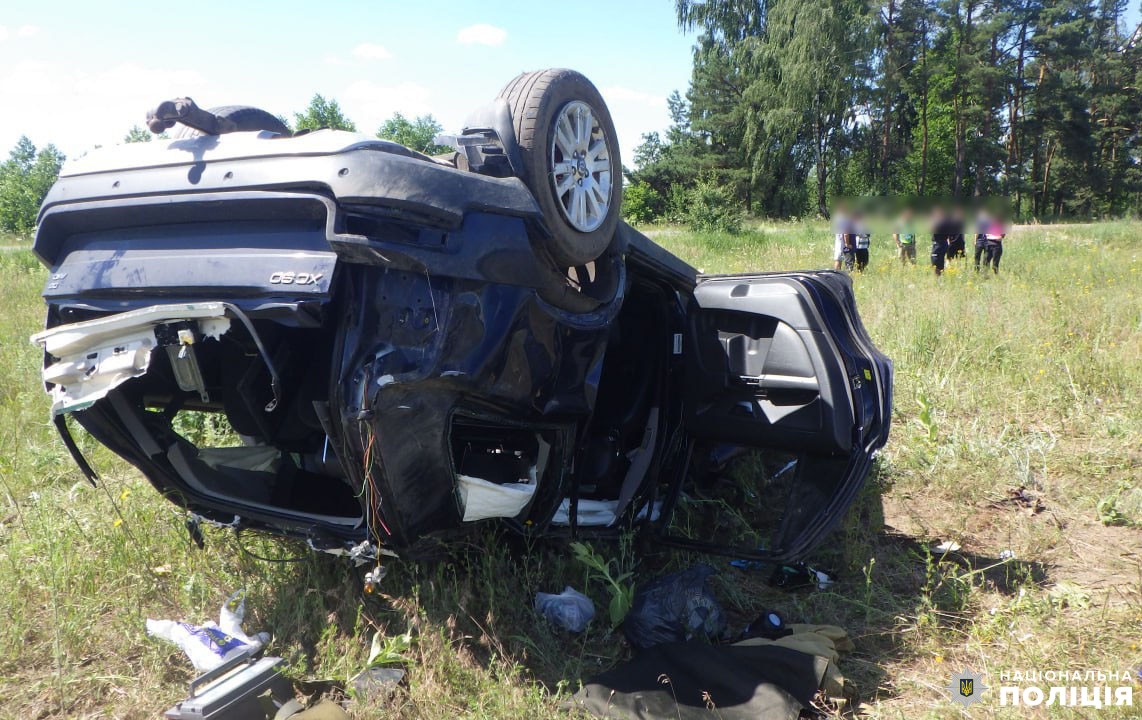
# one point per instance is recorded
(675, 608)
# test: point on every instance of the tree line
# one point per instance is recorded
(793, 103)
(28, 173)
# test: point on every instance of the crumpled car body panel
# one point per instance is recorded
(393, 353)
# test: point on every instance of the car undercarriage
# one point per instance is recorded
(338, 339)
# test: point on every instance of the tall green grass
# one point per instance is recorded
(1030, 378)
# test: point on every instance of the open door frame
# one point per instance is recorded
(782, 360)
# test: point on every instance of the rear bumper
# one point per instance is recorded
(382, 331)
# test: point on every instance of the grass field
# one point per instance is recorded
(1030, 379)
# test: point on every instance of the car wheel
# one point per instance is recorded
(245, 117)
(570, 158)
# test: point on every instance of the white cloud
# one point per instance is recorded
(371, 51)
(110, 100)
(24, 31)
(370, 104)
(482, 34)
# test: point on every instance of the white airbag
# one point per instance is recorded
(482, 499)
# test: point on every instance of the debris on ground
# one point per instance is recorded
(769, 625)
(947, 546)
(1022, 499)
(211, 644)
(799, 575)
(674, 608)
(242, 688)
(570, 609)
(773, 679)
(376, 682)
(381, 676)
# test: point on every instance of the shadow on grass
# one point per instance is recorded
(471, 608)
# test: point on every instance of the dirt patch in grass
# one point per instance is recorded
(1029, 379)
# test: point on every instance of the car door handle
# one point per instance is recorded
(783, 382)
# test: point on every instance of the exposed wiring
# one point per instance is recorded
(275, 381)
(432, 298)
(246, 551)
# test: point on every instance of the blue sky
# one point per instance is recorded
(112, 61)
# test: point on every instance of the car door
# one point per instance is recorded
(782, 361)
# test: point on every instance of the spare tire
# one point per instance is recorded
(245, 117)
(570, 159)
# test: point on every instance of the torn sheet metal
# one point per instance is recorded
(96, 356)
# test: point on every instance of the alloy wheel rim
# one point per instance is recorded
(581, 166)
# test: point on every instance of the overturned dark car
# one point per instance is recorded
(401, 345)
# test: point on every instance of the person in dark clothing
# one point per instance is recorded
(980, 246)
(994, 252)
(947, 228)
(993, 236)
(957, 246)
(861, 243)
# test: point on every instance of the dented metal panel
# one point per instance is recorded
(93, 357)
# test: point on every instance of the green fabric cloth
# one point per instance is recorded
(755, 679)
(696, 681)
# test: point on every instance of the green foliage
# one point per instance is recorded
(793, 102)
(322, 113)
(709, 206)
(386, 650)
(642, 204)
(607, 572)
(1109, 508)
(417, 134)
(25, 179)
(926, 419)
(206, 429)
(137, 135)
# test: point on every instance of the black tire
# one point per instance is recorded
(245, 117)
(536, 100)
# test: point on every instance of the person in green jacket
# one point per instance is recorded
(905, 237)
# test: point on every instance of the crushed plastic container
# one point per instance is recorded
(674, 608)
(211, 644)
(570, 609)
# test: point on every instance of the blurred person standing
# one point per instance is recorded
(861, 242)
(982, 221)
(957, 247)
(993, 244)
(947, 229)
(905, 237)
(844, 238)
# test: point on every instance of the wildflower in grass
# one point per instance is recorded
(125, 494)
(117, 523)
